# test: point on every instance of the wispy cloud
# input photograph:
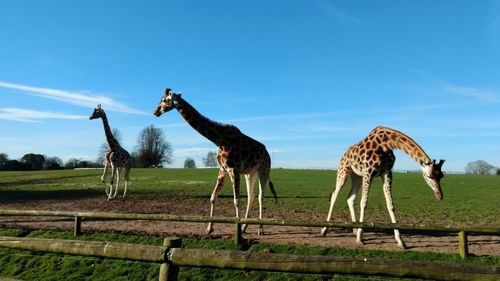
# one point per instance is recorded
(471, 92)
(293, 116)
(84, 99)
(34, 116)
(338, 13)
(192, 151)
(475, 93)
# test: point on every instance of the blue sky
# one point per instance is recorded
(306, 78)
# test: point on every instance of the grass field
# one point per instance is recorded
(468, 200)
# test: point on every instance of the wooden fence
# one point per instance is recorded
(462, 232)
(172, 257)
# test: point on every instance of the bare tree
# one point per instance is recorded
(479, 167)
(210, 160)
(3, 159)
(152, 148)
(53, 163)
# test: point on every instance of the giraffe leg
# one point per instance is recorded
(356, 183)
(235, 179)
(263, 180)
(215, 193)
(390, 207)
(127, 171)
(113, 172)
(364, 200)
(250, 181)
(103, 177)
(117, 181)
(341, 178)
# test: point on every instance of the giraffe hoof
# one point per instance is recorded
(209, 230)
(260, 231)
(402, 246)
(324, 231)
(360, 242)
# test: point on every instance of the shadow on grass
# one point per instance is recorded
(39, 181)
(20, 196)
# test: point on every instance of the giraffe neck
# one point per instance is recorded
(393, 139)
(213, 131)
(112, 142)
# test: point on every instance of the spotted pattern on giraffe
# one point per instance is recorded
(237, 153)
(373, 157)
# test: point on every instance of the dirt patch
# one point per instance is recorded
(478, 245)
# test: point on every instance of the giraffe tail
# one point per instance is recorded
(271, 186)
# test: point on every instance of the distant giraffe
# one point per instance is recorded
(373, 157)
(237, 153)
(116, 157)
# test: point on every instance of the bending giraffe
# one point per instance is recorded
(237, 153)
(116, 157)
(373, 157)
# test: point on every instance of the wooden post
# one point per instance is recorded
(78, 226)
(463, 246)
(238, 239)
(168, 271)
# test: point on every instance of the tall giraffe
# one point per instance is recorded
(116, 157)
(237, 153)
(373, 157)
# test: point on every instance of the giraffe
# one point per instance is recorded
(116, 157)
(373, 157)
(237, 154)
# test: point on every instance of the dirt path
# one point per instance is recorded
(478, 245)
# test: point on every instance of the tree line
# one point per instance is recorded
(151, 150)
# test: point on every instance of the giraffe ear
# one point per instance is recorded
(167, 91)
(440, 164)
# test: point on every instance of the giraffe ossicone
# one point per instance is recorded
(373, 157)
(116, 158)
(237, 154)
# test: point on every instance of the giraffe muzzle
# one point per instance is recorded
(157, 112)
(439, 195)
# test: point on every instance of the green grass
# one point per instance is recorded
(35, 266)
(468, 200)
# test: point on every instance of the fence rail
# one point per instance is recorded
(462, 232)
(255, 261)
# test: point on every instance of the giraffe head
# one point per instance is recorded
(167, 102)
(433, 175)
(98, 113)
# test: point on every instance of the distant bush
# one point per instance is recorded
(189, 163)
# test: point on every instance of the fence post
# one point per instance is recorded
(238, 239)
(78, 226)
(170, 272)
(463, 247)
